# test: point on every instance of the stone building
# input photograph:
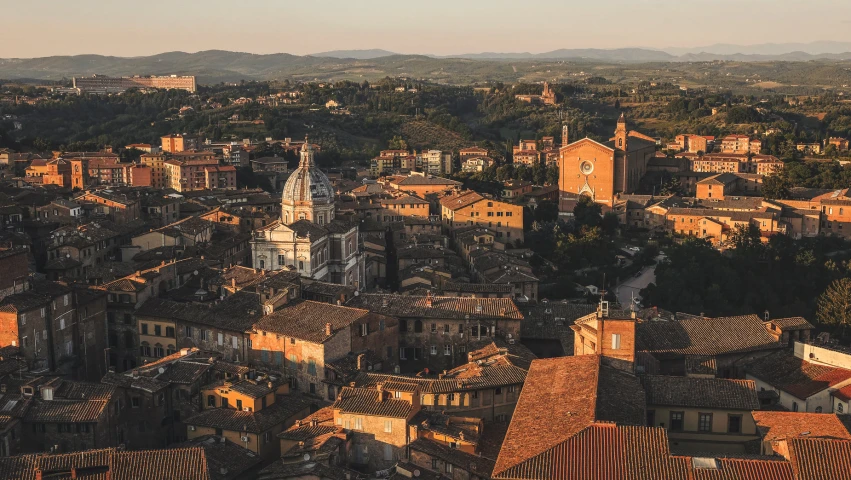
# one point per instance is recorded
(308, 236)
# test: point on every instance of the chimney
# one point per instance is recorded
(380, 387)
(314, 422)
(233, 282)
(361, 363)
(37, 474)
(270, 385)
(73, 473)
(328, 329)
(429, 300)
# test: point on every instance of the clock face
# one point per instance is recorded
(586, 167)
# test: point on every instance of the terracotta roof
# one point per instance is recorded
(166, 464)
(795, 376)
(226, 460)
(306, 320)
(793, 323)
(601, 451)
(460, 200)
(718, 393)
(284, 408)
(787, 425)
(562, 397)
(738, 469)
(820, 459)
(73, 402)
(441, 307)
(365, 401)
(704, 336)
(474, 464)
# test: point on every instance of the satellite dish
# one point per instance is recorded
(67, 255)
(416, 473)
(306, 457)
(195, 272)
(161, 370)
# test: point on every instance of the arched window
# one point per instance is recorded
(839, 408)
(418, 326)
(818, 409)
(158, 350)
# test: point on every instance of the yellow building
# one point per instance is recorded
(249, 412)
(470, 208)
(157, 164)
(156, 339)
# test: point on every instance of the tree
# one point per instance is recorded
(587, 212)
(776, 187)
(834, 305)
(546, 212)
(397, 143)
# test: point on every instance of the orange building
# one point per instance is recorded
(740, 144)
(178, 143)
(189, 172)
(58, 173)
(139, 176)
(421, 184)
(602, 170)
(470, 208)
(222, 177)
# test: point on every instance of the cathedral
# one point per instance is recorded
(307, 237)
(603, 170)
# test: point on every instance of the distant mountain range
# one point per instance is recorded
(214, 66)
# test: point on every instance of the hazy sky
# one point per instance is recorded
(34, 28)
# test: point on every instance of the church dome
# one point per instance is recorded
(307, 185)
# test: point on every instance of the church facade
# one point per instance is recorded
(603, 170)
(308, 237)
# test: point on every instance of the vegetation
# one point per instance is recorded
(783, 276)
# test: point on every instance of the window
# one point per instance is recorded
(794, 406)
(839, 408)
(188, 332)
(134, 402)
(818, 409)
(433, 328)
(221, 339)
(388, 426)
(225, 402)
(264, 355)
(704, 422)
(144, 329)
(205, 335)
(434, 349)
(676, 421)
(446, 329)
(358, 423)
(239, 405)
(279, 357)
(401, 353)
(211, 401)
(434, 464)
(448, 468)
(447, 350)
(311, 367)
(734, 424)
(282, 260)
(293, 361)
(616, 341)
(388, 452)
(364, 329)
(262, 264)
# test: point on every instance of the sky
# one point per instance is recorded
(38, 28)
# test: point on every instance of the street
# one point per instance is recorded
(632, 286)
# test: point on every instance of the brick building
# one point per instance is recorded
(602, 170)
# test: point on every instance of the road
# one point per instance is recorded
(633, 286)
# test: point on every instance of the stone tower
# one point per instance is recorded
(621, 134)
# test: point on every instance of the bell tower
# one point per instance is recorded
(621, 134)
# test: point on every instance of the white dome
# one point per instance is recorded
(307, 184)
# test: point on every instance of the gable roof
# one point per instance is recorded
(787, 425)
(704, 336)
(796, 376)
(562, 397)
(306, 320)
(719, 393)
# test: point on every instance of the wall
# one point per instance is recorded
(690, 440)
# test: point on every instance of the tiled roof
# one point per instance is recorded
(365, 401)
(795, 376)
(793, 323)
(306, 320)
(73, 402)
(441, 307)
(704, 336)
(425, 180)
(460, 200)
(477, 287)
(739, 469)
(284, 408)
(305, 228)
(41, 294)
(719, 393)
(562, 397)
(787, 425)
(225, 460)
(474, 464)
(600, 451)
(248, 387)
(280, 470)
(820, 459)
(166, 464)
